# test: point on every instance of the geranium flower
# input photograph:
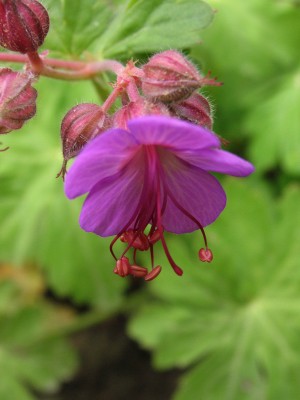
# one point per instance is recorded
(156, 174)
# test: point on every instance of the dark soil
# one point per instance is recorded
(113, 367)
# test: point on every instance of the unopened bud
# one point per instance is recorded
(81, 124)
(169, 77)
(17, 99)
(24, 25)
(195, 109)
(136, 109)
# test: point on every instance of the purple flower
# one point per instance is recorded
(157, 174)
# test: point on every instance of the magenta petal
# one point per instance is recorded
(217, 160)
(112, 202)
(102, 157)
(172, 133)
(196, 191)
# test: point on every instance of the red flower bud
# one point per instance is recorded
(24, 25)
(169, 77)
(81, 124)
(136, 109)
(195, 109)
(17, 99)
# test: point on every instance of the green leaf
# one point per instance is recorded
(76, 24)
(38, 224)
(147, 26)
(115, 29)
(28, 357)
(236, 321)
(250, 47)
(274, 127)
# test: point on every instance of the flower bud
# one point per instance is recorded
(17, 99)
(81, 124)
(169, 76)
(195, 109)
(24, 25)
(136, 109)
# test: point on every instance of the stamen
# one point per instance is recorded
(153, 274)
(206, 255)
(190, 216)
(152, 256)
(138, 272)
(175, 267)
(122, 267)
(112, 245)
(154, 237)
(140, 242)
(134, 255)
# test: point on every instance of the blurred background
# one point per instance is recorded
(230, 330)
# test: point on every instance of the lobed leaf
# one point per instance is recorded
(235, 321)
(76, 25)
(30, 355)
(144, 26)
(38, 224)
(124, 29)
(274, 127)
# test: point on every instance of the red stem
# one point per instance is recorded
(67, 70)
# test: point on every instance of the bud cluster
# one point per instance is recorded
(165, 85)
(24, 25)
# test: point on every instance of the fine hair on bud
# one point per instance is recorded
(24, 25)
(17, 99)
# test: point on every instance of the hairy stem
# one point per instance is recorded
(60, 69)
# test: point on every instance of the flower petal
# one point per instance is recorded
(171, 132)
(198, 192)
(217, 160)
(102, 157)
(113, 202)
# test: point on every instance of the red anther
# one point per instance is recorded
(153, 274)
(137, 271)
(155, 237)
(122, 267)
(205, 255)
(138, 240)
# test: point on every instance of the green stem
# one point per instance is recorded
(101, 87)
